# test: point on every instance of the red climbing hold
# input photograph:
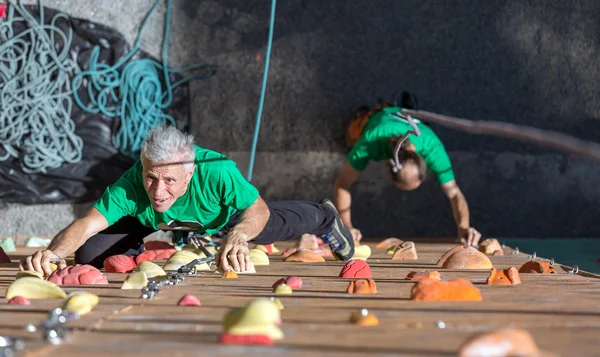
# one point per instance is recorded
(188, 300)
(119, 264)
(76, 275)
(356, 269)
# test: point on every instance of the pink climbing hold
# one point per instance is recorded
(19, 300)
(119, 264)
(356, 268)
(293, 282)
(76, 275)
(188, 300)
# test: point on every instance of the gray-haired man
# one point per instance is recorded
(179, 186)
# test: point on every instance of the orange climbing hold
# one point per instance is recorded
(362, 286)
(453, 290)
(508, 276)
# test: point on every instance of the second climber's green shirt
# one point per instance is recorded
(216, 191)
(373, 144)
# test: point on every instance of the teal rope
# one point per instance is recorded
(263, 90)
(35, 102)
(135, 94)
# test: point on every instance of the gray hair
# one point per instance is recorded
(166, 143)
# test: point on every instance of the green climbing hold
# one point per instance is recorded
(8, 245)
(37, 242)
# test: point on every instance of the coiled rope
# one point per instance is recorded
(135, 94)
(35, 102)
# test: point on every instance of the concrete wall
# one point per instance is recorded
(527, 62)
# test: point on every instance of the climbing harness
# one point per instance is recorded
(35, 91)
(263, 90)
(396, 165)
(134, 93)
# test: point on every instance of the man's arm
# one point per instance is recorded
(460, 209)
(235, 246)
(342, 197)
(66, 242)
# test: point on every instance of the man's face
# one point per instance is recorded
(164, 183)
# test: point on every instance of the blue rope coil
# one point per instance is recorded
(134, 94)
(35, 95)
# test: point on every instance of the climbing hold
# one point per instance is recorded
(389, 243)
(76, 275)
(230, 339)
(491, 246)
(34, 288)
(420, 275)
(135, 281)
(508, 276)
(3, 257)
(19, 300)
(283, 289)
(453, 290)
(535, 267)
(230, 274)
(269, 248)
(8, 245)
(37, 242)
(362, 286)
(181, 258)
(155, 254)
(464, 258)
(145, 257)
(259, 317)
(304, 256)
(119, 264)
(151, 270)
(258, 257)
(405, 251)
(364, 318)
(356, 269)
(188, 300)
(391, 250)
(29, 274)
(500, 343)
(362, 252)
(292, 281)
(80, 302)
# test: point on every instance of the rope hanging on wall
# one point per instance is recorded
(135, 93)
(35, 102)
(263, 91)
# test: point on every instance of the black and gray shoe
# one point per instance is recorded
(340, 239)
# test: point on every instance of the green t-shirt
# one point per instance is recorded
(373, 144)
(216, 191)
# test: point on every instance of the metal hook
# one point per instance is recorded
(10, 346)
(551, 261)
(534, 255)
(515, 251)
(440, 324)
(575, 270)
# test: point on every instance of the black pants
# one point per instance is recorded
(288, 220)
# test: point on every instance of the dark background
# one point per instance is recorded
(525, 62)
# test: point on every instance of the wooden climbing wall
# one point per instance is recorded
(562, 311)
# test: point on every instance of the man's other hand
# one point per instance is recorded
(234, 250)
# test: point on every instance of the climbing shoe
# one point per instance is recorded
(340, 238)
